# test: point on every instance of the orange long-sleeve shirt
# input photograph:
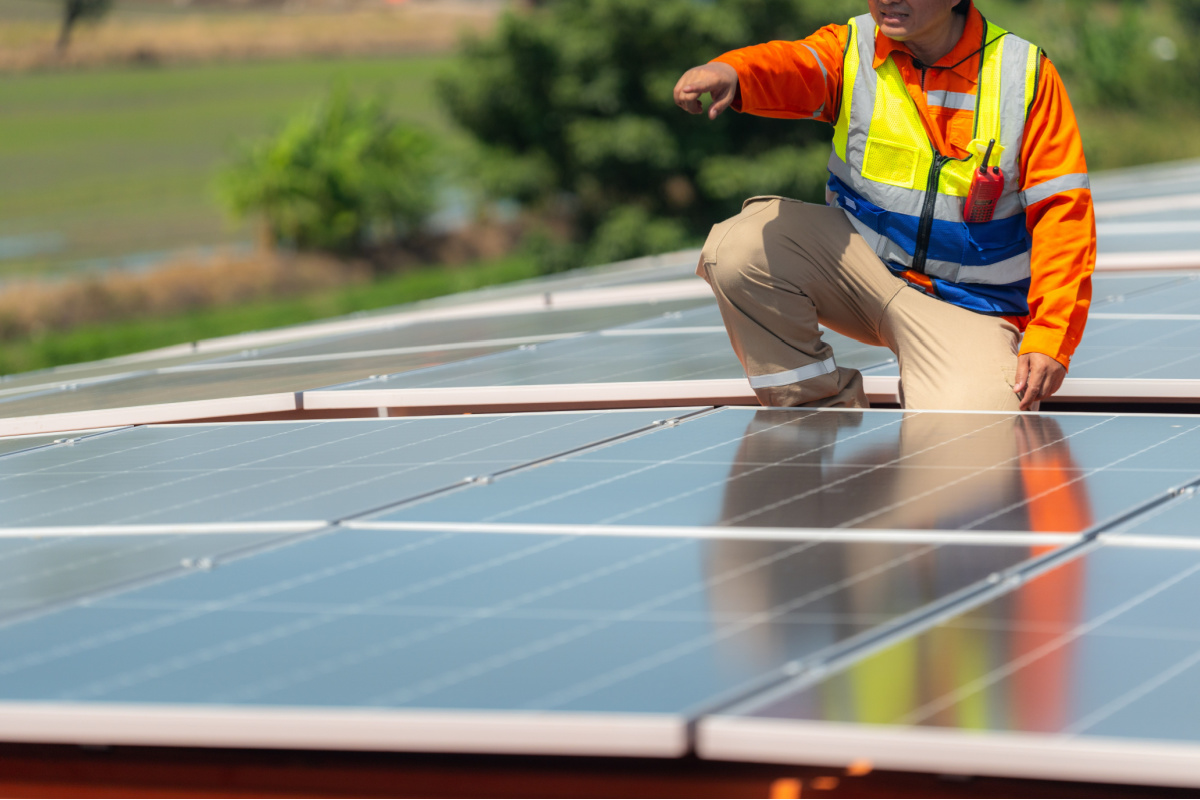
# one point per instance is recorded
(785, 80)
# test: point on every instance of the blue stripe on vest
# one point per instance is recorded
(978, 245)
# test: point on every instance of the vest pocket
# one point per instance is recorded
(891, 163)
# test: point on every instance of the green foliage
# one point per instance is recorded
(1114, 55)
(340, 179)
(574, 99)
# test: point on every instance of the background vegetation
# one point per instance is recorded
(552, 125)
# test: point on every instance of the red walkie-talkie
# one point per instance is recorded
(986, 188)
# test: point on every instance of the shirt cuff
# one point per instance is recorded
(1048, 342)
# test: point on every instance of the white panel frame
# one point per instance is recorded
(391, 730)
(1016, 755)
(142, 415)
(1167, 259)
(728, 391)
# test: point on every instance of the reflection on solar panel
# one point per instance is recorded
(1086, 672)
(837, 470)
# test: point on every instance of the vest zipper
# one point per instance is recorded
(925, 230)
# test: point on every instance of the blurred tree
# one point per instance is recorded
(343, 178)
(1189, 11)
(571, 103)
(76, 11)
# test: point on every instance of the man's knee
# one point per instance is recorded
(735, 249)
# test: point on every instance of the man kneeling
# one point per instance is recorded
(959, 232)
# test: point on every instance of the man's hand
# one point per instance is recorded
(719, 80)
(1038, 377)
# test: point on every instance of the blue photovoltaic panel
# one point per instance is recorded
(846, 469)
(1096, 662)
(302, 472)
(1110, 290)
(44, 571)
(15, 444)
(688, 345)
(1181, 296)
(483, 329)
(461, 621)
(1178, 518)
(1139, 348)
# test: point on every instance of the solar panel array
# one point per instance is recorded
(588, 583)
(998, 594)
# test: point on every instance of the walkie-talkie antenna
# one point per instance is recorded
(987, 156)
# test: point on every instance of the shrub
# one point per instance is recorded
(342, 178)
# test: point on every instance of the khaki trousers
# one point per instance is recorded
(781, 267)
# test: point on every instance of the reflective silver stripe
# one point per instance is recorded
(910, 201)
(824, 74)
(862, 108)
(793, 376)
(1013, 110)
(1063, 183)
(1011, 270)
(958, 100)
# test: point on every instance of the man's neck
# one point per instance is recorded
(933, 48)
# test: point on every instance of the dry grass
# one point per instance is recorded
(369, 29)
(32, 308)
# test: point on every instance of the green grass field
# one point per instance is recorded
(112, 162)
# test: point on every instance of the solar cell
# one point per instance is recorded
(1086, 672)
(453, 640)
(283, 476)
(1139, 348)
(1112, 288)
(43, 572)
(521, 327)
(107, 369)
(1046, 477)
(1181, 296)
(678, 355)
(207, 382)
(1175, 523)
(15, 444)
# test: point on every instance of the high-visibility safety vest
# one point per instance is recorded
(908, 200)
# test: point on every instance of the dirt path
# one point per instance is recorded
(201, 33)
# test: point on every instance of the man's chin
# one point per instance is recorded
(898, 33)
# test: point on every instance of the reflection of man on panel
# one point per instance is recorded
(965, 472)
(920, 252)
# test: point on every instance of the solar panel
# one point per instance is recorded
(782, 472)
(15, 444)
(45, 572)
(1085, 672)
(267, 380)
(1173, 523)
(279, 476)
(515, 329)
(459, 641)
(687, 348)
